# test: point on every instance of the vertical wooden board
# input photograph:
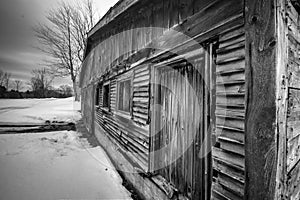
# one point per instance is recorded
(134, 36)
(158, 20)
(294, 105)
(148, 24)
(166, 18)
(294, 74)
(200, 4)
(293, 118)
(185, 8)
(293, 189)
(173, 13)
(261, 101)
(130, 37)
(139, 36)
(293, 154)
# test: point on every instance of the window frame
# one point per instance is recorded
(106, 84)
(124, 78)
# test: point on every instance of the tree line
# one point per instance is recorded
(40, 86)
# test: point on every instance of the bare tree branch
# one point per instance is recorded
(64, 38)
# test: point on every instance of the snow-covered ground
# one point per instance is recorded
(38, 110)
(54, 165)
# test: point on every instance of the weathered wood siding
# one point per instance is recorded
(141, 93)
(87, 106)
(293, 112)
(117, 42)
(130, 134)
(179, 91)
(229, 150)
(211, 23)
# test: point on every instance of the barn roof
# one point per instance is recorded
(112, 13)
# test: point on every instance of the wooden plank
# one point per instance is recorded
(232, 47)
(140, 110)
(293, 129)
(145, 88)
(234, 186)
(143, 73)
(231, 56)
(261, 98)
(231, 145)
(235, 135)
(230, 100)
(233, 113)
(293, 154)
(239, 76)
(237, 88)
(229, 171)
(293, 183)
(222, 193)
(144, 79)
(234, 123)
(234, 160)
(166, 17)
(294, 71)
(173, 13)
(232, 34)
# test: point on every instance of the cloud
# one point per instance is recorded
(17, 55)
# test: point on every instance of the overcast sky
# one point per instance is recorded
(16, 37)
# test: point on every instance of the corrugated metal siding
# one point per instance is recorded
(229, 150)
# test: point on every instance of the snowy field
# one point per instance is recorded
(54, 165)
(38, 110)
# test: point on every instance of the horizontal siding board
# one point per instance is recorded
(231, 67)
(236, 174)
(220, 193)
(231, 134)
(232, 159)
(231, 184)
(229, 153)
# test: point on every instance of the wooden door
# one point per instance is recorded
(177, 127)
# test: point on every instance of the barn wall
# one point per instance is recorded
(201, 19)
(293, 110)
(218, 23)
(87, 106)
(229, 111)
(130, 134)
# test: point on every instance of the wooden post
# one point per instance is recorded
(282, 100)
(93, 108)
(261, 159)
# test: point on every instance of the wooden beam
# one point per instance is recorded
(261, 99)
(282, 100)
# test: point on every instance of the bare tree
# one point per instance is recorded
(7, 80)
(66, 90)
(1, 78)
(18, 85)
(4, 79)
(41, 82)
(64, 37)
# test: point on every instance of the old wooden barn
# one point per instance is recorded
(198, 99)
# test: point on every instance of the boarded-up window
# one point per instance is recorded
(97, 99)
(106, 102)
(124, 94)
